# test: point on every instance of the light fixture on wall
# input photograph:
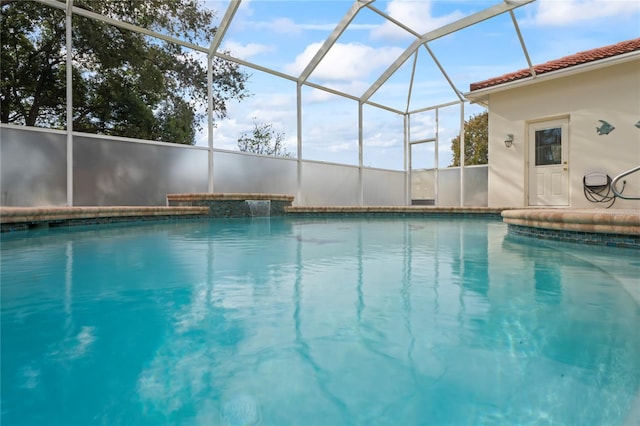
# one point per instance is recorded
(509, 140)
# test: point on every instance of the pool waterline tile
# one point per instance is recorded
(608, 227)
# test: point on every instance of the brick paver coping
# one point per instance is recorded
(611, 221)
(42, 215)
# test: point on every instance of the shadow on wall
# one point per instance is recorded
(32, 168)
(505, 187)
(108, 172)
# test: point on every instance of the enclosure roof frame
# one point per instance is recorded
(504, 6)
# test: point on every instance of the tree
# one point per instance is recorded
(124, 83)
(476, 141)
(263, 140)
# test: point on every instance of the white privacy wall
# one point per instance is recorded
(118, 171)
(445, 187)
(610, 93)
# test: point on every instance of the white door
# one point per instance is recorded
(549, 163)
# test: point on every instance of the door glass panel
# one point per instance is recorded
(548, 146)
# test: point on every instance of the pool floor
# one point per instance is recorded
(315, 321)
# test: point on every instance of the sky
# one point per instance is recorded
(285, 35)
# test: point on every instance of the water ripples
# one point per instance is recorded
(345, 321)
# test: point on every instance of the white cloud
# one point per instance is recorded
(332, 26)
(246, 51)
(568, 12)
(225, 134)
(279, 26)
(288, 26)
(274, 108)
(316, 151)
(382, 140)
(245, 8)
(317, 95)
(345, 62)
(416, 15)
(354, 87)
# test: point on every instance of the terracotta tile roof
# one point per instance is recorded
(565, 62)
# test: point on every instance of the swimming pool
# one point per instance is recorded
(315, 321)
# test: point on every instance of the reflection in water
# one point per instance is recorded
(344, 321)
(548, 282)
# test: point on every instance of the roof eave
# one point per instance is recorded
(482, 95)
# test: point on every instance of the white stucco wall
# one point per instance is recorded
(611, 94)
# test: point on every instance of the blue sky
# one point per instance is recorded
(285, 35)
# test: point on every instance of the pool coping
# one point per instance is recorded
(616, 228)
(230, 196)
(398, 210)
(622, 221)
(23, 218)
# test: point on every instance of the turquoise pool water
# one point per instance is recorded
(315, 322)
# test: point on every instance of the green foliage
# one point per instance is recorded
(476, 141)
(263, 140)
(31, 71)
(124, 83)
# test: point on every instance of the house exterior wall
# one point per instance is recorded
(609, 93)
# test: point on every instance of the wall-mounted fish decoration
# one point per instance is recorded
(637, 124)
(605, 128)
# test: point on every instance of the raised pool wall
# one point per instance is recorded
(233, 205)
(619, 228)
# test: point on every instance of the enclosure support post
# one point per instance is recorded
(210, 121)
(462, 152)
(437, 159)
(299, 147)
(360, 158)
(407, 161)
(213, 47)
(69, 77)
